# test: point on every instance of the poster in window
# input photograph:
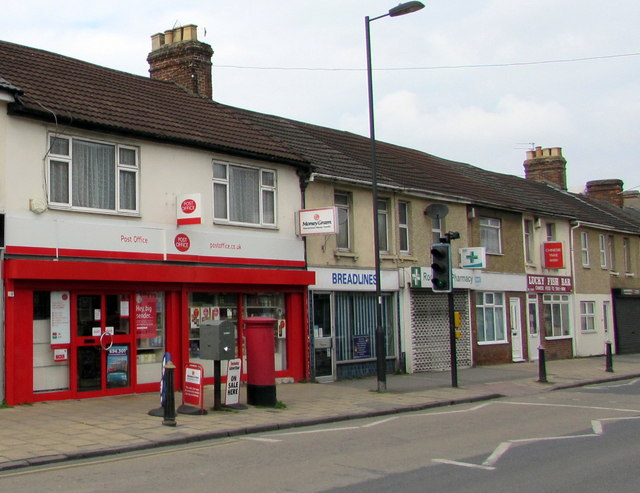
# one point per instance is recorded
(361, 347)
(60, 317)
(118, 366)
(195, 316)
(146, 316)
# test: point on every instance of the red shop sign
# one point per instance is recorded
(553, 255)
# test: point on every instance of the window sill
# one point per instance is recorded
(491, 343)
(588, 332)
(406, 258)
(81, 210)
(244, 225)
(343, 254)
(557, 338)
(629, 274)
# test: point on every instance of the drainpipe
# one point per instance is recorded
(574, 226)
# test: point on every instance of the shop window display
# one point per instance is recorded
(270, 305)
(203, 307)
(49, 375)
(150, 335)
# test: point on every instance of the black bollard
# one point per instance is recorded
(542, 367)
(609, 358)
(170, 398)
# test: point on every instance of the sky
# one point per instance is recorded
(476, 81)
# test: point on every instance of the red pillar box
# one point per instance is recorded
(261, 373)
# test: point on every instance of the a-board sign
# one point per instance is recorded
(232, 394)
(192, 393)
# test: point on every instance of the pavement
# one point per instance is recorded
(56, 431)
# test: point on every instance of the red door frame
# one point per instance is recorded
(94, 341)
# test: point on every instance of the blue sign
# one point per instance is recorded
(361, 347)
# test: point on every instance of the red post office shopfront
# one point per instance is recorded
(87, 323)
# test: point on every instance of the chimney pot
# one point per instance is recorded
(190, 32)
(157, 40)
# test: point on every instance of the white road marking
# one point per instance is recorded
(597, 426)
(488, 464)
(463, 464)
(259, 439)
(379, 422)
(323, 430)
(597, 408)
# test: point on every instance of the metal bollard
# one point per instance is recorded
(169, 404)
(609, 358)
(542, 367)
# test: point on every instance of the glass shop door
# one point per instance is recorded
(102, 343)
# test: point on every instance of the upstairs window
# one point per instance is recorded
(602, 241)
(626, 251)
(383, 225)
(403, 227)
(528, 241)
(584, 248)
(607, 252)
(551, 231)
(90, 175)
(490, 236)
(244, 195)
(343, 204)
(437, 229)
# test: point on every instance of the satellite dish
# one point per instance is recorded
(435, 211)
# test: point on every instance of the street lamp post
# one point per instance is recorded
(402, 9)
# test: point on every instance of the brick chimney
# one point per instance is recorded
(546, 166)
(177, 56)
(631, 198)
(607, 190)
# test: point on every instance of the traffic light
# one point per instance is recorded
(441, 268)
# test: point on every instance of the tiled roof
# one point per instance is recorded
(84, 94)
(348, 156)
(81, 93)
